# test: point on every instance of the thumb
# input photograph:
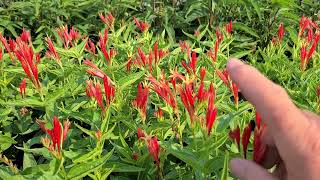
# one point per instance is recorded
(248, 170)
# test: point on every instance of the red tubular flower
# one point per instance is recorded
(95, 91)
(55, 133)
(156, 52)
(187, 99)
(318, 91)
(229, 28)
(140, 133)
(7, 47)
(141, 100)
(68, 36)
(142, 56)
(107, 19)
(211, 114)
(90, 47)
(202, 73)
(245, 138)
(210, 55)
(64, 35)
(1, 53)
(193, 62)
(102, 44)
(52, 53)
(219, 35)
(314, 46)
(185, 47)
(304, 23)
(259, 149)
(98, 96)
(129, 64)
(224, 76)
(154, 149)
(303, 55)
(235, 135)
(38, 58)
(22, 87)
(94, 71)
(12, 44)
(109, 89)
(185, 65)
(25, 36)
(158, 113)
(25, 55)
(310, 35)
(163, 90)
(66, 127)
(143, 26)
(216, 49)
(258, 120)
(235, 93)
(280, 32)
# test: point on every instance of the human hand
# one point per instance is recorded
(292, 135)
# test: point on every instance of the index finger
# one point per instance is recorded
(285, 121)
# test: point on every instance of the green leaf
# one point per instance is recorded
(121, 167)
(224, 172)
(83, 169)
(128, 80)
(28, 160)
(184, 155)
(5, 142)
(243, 27)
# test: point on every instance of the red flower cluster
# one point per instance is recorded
(147, 61)
(163, 89)
(224, 76)
(57, 134)
(109, 89)
(153, 145)
(1, 53)
(103, 43)
(191, 67)
(25, 55)
(68, 36)
(141, 100)
(279, 38)
(154, 149)
(158, 113)
(94, 91)
(229, 28)
(143, 26)
(211, 110)
(90, 47)
(22, 87)
(52, 52)
(107, 19)
(9, 48)
(184, 46)
(311, 40)
(259, 148)
(219, 38)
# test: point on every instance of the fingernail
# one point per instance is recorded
(233, 62)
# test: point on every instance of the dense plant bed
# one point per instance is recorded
(134, 104)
